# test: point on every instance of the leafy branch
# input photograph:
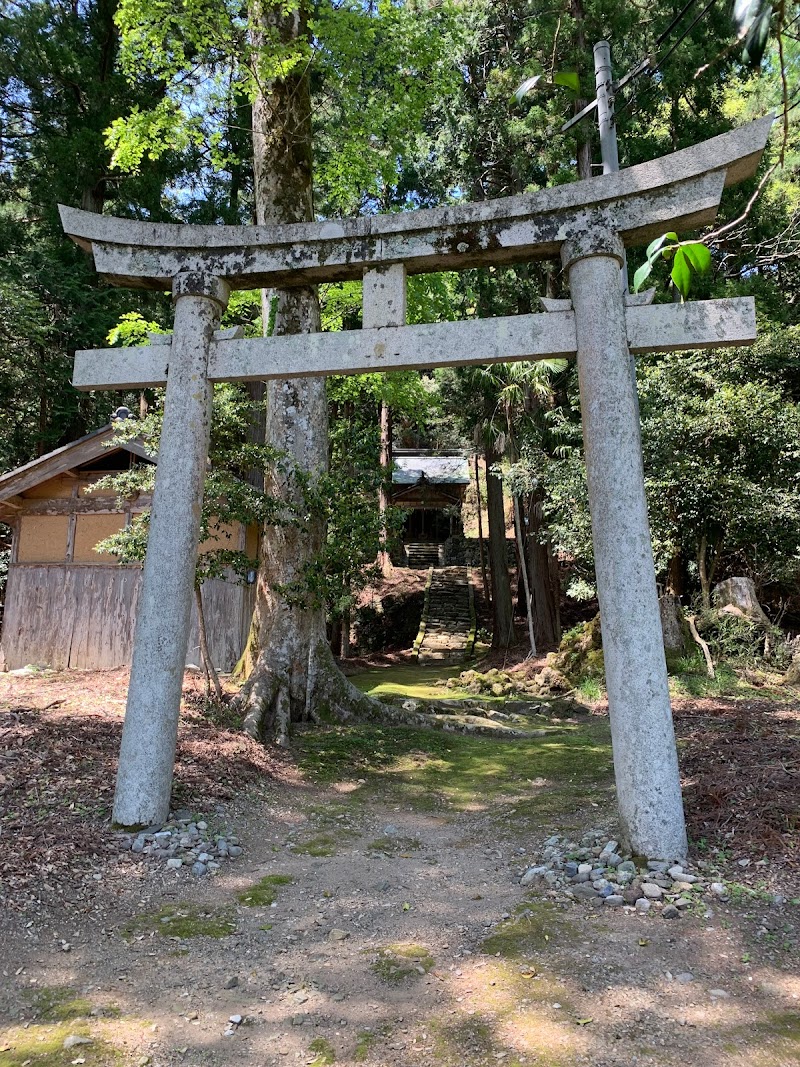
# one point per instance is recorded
(688, 258)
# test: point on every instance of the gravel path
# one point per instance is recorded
(401, 937)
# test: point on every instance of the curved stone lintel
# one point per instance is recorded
(681, 190)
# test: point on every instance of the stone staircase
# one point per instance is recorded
(447, 634)
(422, 554)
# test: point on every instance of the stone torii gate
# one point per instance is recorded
(587, 224)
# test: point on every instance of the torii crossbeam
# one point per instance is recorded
(587, 224)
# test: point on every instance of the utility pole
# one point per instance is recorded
(603, 102)
(604, 86)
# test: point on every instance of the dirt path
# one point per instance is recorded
(398, 934)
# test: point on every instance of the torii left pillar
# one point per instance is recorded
(150, 734)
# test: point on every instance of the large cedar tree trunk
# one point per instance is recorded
(291, 674)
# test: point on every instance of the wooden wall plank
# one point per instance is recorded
(82, 617)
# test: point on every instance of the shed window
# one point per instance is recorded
(90, 529)
(43, 539)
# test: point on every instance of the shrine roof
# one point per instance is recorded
(438, 468)
(95, 445)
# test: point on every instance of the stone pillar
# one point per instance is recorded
(149, 737)
(645, 756)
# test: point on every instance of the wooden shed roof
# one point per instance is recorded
(84, 450)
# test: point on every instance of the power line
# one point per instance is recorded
(646, 65)
(658, 65)
(662, 37)
(684, 35)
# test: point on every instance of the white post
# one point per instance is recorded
(149, 736)
(604, 86)
(607, 126)
(645, 756)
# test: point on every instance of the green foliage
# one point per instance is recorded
(228, 496)
(688, 258)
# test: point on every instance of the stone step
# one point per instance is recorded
(449, 618)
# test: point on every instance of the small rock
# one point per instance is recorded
(719, 890)
(651, 891)
(626, 867)
(235, 1019)
(687, 879)
(631, 894)
(720, 994)
(584, 892)
(643, 905)
(76, 1039)
(585, 868)
(231, 983)
(234, 851)
(337, 934)
(174, 863)
(614, 900)
(390, 830)
(199, 869)
(669, 911)
(673, 872)
(684, 977)
(532, 874)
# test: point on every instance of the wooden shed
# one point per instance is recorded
(67, 605)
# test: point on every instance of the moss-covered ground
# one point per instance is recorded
(420, 681)
(265, 891)
(396, 963)
(42, 1045)
(426, 769)
(182, 921)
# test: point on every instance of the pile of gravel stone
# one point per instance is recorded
(596, 872)
(184, 841)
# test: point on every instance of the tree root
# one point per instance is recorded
(706, 652)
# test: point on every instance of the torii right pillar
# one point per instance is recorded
(642, 733)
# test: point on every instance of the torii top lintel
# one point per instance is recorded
(678, 191)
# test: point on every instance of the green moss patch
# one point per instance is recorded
(395, 963)
(367, 1039)
(43, 1046)
(420, 682)
(59, 1003)
(182, 921)
(775, 1039)
(321, 845)
(264, 892)
(537, 927)
(324, 1053)
(425, 768)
